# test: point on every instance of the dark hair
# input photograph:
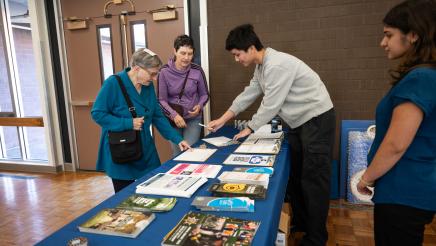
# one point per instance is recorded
(419, 17)
(183, 40)
(242, 37)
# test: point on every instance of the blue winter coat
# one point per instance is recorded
(111, 112)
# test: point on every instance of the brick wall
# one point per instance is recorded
(339, 39)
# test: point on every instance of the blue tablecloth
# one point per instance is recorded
(266, 211)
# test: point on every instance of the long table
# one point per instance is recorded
(266, 211)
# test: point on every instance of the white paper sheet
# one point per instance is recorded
(195, 154)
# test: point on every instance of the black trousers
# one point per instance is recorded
(121, 184)
(308, 188)
(396, 224)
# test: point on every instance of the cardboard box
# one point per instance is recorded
(285, 219)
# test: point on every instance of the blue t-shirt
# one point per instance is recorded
(412, 181)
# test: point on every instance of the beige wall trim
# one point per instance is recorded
(29, 167)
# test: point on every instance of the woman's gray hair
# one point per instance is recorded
(145, 58)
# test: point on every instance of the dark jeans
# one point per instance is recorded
(308, 188)
(120, 184)
(396, 224)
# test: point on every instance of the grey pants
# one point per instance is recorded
(191, 134)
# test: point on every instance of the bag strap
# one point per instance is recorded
(126, 96)
(184, 85)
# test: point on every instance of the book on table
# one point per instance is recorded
(244, 178)
(208, 229)
(171, 185)
(205, 170)
(237, 190)
(233, 204)
(250, 160)
(266, 170)
(118, 222)
(195, 154)
(143, 203)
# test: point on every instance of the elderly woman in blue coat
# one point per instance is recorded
(111, 112)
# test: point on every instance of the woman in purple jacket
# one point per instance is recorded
(171, 83)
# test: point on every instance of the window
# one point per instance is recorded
(105, 51)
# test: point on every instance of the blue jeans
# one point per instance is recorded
(191, 133)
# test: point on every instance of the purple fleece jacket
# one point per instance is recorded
(170, 83)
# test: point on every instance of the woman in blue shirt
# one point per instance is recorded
(402, 159)
(111, 112)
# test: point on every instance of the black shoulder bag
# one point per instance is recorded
(177, 107)
(125, 146)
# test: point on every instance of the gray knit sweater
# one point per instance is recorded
(290, 89)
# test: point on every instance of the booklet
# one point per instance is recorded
(265, 132)
(118, 222)
(236, 190)
(195, 154)
(208, 229)
(205, 170)
(250, 160)
(234, 204)
(143, 203)
(171, 185)
(266, 170)
(244, 178)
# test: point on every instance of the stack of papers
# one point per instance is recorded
(265, 132)
(238, 190)
(266, 170)
(250, 160)
(244, 178)
(204, 170)
(142, 203)
(195, 154)
(260, 146)
(171, 185)
(233, 204)
(220, 141)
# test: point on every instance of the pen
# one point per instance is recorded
(202, 125)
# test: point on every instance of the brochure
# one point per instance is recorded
(238, 190)
(207, 229)
(234, 204)
(250, 160)
(266, 170)
(143, 203)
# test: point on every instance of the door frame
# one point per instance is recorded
(66, 82)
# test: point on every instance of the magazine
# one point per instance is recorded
(205, 170)
(250, 160)
(237, 190)
(234, 204)
(171, 185)
(143, 203)
(207, 229)
(118, 222)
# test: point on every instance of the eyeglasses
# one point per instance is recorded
(151, 74)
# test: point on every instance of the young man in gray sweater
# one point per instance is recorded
(292, 90)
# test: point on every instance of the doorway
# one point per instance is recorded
(98, 49)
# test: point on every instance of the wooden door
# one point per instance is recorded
(86, 67)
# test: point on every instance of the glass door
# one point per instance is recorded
(22, 135)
